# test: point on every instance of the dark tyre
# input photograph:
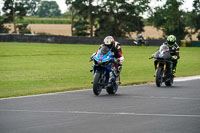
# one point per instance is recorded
(169, 82)
(159, 77)
(112, 89)
(97, 84)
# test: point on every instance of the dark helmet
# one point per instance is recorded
(109, 41)
(171, 39)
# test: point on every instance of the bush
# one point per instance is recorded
(43, 33)
(188, 44)
(22, 28)
(183, 43)
(3, 29)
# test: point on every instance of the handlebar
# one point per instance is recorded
(150, 58)
(91, 59)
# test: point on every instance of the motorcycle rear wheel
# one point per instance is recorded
(97, 84)
(169, 82)
(159, 77)
(113, 89)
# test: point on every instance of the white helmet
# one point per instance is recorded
(140, 35)
(109, 40)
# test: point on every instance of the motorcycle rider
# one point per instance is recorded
(174, 50)
(140, 39)
(119, 58)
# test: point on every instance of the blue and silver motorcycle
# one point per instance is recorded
(103, 65)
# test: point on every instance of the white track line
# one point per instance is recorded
(103, 113)
(48, 94)
(180, 79)
(173, 98)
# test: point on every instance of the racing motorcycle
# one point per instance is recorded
(103, 63)
(140, 42)
(163, 65)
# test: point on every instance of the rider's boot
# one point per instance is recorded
(118, 80)
(174, 72)
(119, 69)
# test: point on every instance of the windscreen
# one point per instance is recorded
(164, 52)
(164, 48)
(104, 51)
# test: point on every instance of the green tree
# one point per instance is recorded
(81, 27)
(113, 17)
(32, 6)
(189, 21)
(120, 17)
(82, 10)
(73, 13)
(169, 19)
(14, 9)
(193, 18)
(196, 13)
(3, 29)
(196, 18)
(48, 9)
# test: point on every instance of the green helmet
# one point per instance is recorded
(171, 39)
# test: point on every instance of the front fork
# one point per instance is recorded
(164, 68)
(104, 74)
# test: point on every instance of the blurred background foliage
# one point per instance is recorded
(100, 18)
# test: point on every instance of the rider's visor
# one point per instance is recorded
(170, 43)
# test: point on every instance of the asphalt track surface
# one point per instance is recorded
(134, 109)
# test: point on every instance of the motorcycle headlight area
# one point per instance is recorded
(102, 63)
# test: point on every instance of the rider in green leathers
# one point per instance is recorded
(174, 50)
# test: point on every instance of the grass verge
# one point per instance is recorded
(33, 68)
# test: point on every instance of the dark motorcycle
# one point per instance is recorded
(103, 61)
(163, 65)
(140, 42)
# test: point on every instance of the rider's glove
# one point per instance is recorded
(116, 61)
(92, 55)
(91, 58)
(174, 57)
(151, 56)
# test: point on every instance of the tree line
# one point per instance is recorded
(118, 18)
(17, 9)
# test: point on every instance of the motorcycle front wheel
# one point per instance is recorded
(97, 84)
(159, 77)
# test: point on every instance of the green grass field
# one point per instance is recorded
(38, 20)
(32, 68)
